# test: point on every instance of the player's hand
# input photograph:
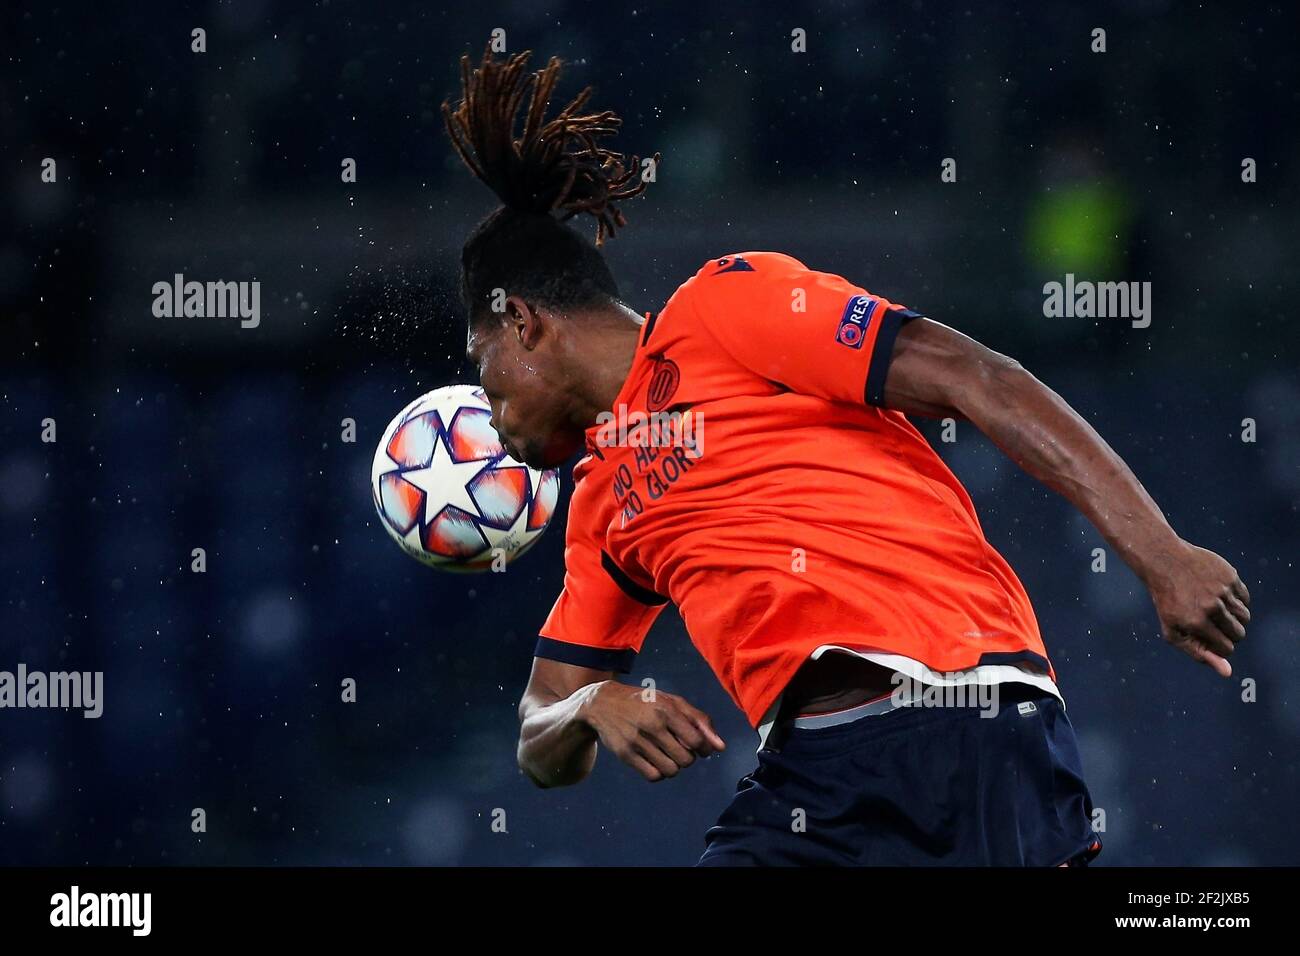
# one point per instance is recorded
(1203, 606)
(653, 732)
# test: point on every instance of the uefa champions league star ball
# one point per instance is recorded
(447, 491)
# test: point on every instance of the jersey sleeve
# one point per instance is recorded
(601, 617)
(811, 332)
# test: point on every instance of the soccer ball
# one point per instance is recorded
(447, 491)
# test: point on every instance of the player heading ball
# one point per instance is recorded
(819, 550)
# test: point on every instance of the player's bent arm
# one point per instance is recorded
(556, 747)
(566, 710)
(938, 372)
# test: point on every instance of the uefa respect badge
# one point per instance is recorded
(855, 321)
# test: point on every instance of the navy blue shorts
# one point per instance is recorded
(918, 786)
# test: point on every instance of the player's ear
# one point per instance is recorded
(525, 321)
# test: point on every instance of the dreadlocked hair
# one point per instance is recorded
(552, 171)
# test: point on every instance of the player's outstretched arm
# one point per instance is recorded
(566, 710)
(936, 371)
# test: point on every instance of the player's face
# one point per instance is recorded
(527, 393)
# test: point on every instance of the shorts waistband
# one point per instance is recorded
(871, 708)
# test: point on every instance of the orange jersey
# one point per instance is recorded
(784, 509)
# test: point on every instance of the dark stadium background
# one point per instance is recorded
(222, 689)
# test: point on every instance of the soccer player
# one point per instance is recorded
(827, 564)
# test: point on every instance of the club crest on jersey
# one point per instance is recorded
(663, 384)
(855, 321)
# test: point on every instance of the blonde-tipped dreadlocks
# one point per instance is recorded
(553, 166)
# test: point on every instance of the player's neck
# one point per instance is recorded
(607, 349)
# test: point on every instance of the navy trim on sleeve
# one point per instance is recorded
(629, 587)
(890, 323)
(580, 655)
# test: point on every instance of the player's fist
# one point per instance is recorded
(1203, 606)
(655, 733)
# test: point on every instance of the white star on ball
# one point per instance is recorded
(445, 482)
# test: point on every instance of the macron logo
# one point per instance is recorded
(855, 321)
(733, 264)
